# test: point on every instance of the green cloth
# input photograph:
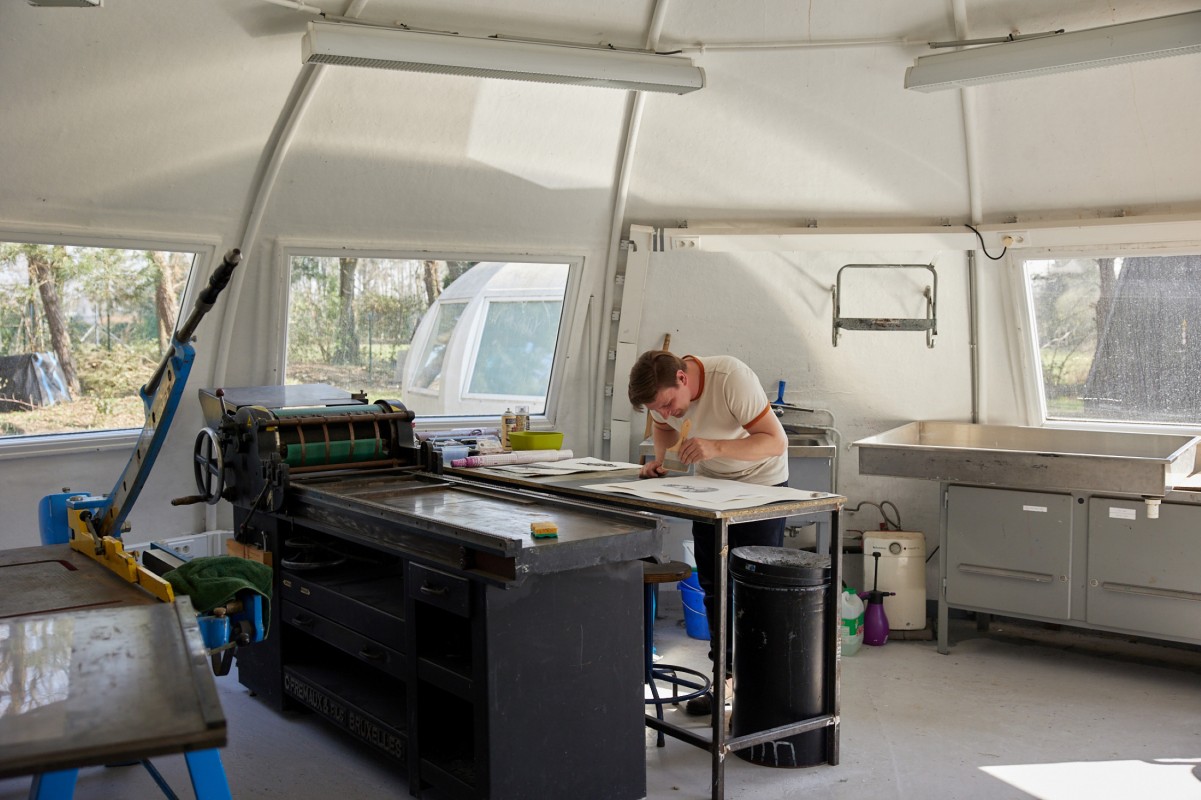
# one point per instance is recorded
(213, 581)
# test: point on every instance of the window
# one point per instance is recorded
(447, 338)
(1119, 339)
(81, 330)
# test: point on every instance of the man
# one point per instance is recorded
(732, 434)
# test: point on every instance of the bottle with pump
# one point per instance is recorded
(875, 624)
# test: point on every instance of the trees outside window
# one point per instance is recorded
(1119, 338)
(81, 329)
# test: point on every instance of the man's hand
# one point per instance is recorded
(652, 469)
(696, 449)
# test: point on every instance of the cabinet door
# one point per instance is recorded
(1009, 551)
(1144, 575)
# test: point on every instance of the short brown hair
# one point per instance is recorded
(654, 370)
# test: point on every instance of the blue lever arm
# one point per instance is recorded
(161, 396)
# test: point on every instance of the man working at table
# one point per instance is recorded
(731, 434)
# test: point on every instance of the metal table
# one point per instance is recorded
(96, 672)
(719, 745)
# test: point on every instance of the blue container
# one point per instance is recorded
(695, 622)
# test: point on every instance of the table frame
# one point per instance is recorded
(720, 744)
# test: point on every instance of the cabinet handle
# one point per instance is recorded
(371, 654)
(997, 572)
(1149, 591)
(302, 621)
(433, 591)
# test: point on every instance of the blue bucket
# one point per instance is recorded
(695, 621)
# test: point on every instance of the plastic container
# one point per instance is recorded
(535, 440)
(850, 632)
(780, 651)
(695, 621)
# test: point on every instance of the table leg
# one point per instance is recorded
(54, 785)
(208, 776)
(833, 644)
(721, 587)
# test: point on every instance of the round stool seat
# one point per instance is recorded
(664, 573)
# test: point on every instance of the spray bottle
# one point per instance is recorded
(875, 624)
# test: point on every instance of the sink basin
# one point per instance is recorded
(1034, 458)
(808, 443)
(802, 443)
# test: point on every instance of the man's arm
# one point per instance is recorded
(767, 439)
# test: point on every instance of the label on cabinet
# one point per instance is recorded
(1039, 509)
(1117, 512)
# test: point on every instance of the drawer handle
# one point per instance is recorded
(997, 572)
(1150, 591)
(302, 621)
(433, 591)
(371, 654)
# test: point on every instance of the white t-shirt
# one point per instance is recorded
(730, 398)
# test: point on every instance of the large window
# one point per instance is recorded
(81, 330)
(448, 338)
(1119, 339)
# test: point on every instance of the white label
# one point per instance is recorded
(1122, 513)
(1039, 509)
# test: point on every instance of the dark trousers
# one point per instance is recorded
(764, 532)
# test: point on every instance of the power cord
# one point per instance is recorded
(984, 249)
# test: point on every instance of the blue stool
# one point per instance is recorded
(695, 682)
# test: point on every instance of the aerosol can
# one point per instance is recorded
(875, 624)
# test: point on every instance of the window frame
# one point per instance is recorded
(566, 335)
(1034, 385)
(204, 250)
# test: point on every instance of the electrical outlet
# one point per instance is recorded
(1013, 238)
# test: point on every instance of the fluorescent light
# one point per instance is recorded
(1160, 37)
(451, 54)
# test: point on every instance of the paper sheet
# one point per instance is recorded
(708, 493)
(566, 467)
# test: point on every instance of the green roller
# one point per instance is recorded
(317, 452)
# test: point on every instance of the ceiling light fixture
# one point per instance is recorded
(543, 62)
(1161, 37)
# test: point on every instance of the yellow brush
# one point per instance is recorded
(684, 429)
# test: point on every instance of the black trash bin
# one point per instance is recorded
(779, 650)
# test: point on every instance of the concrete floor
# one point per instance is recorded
(1019, 713)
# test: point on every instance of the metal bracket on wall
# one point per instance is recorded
(929, 324)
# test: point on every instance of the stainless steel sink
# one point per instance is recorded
(1035, 458)
(802, 443)
(808, 443)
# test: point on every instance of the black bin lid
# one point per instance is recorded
(779, 566)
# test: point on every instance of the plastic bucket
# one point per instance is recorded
(695, 622)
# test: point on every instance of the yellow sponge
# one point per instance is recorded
(544, 529)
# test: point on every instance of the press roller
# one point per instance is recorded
(257, 436)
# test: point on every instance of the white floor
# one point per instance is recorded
(1019, 713)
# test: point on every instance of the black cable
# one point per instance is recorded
(984, 249)
(932, 552)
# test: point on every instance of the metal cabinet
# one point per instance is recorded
(1009, 551)
(1086, 560)
(1144, 575)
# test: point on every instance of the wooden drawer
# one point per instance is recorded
(348, 641)
(448, 592)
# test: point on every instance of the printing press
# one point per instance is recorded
(414, 609)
